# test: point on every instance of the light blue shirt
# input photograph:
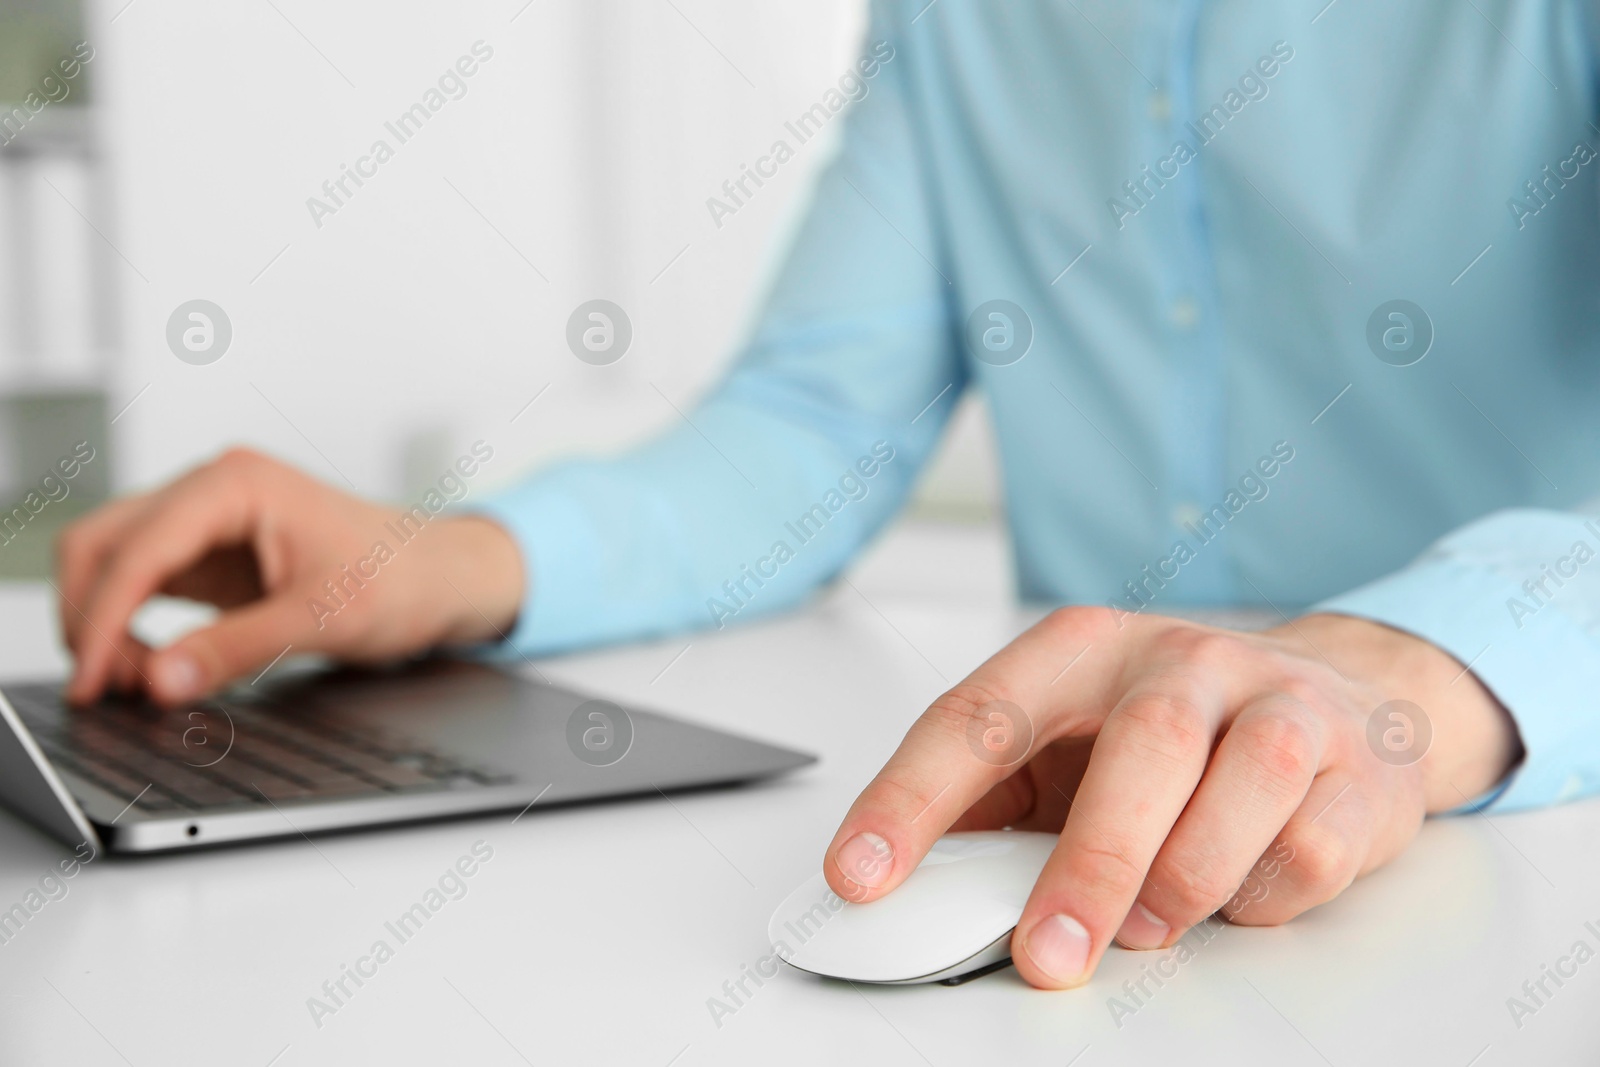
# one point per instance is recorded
(1198, 216)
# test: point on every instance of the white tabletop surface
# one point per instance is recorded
(601, 934)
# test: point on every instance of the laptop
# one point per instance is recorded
(331, 750)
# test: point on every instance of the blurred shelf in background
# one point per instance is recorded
(58, 335)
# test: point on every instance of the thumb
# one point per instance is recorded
(241, 641)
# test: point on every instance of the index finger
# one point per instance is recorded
(80, 553)
(971, 738)
(200, 511)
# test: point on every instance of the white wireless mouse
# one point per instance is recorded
(951, 917)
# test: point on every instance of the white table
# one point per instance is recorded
(600, 934)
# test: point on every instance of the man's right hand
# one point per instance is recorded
(259, 540)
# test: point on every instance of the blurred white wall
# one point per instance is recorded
(432, 306)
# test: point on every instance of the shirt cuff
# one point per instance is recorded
(1543, 667)
(560, 566)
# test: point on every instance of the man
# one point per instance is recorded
(1264, 300)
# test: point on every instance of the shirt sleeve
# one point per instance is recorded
(1516, 597)
(764, 490)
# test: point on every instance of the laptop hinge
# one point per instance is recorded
(30, 786)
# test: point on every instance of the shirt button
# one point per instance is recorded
(1160, 106)
(1185, 313)
(1185, 514)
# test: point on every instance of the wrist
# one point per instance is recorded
(1474, 742)
(479, 571)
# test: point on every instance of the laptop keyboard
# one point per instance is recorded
(225, 754)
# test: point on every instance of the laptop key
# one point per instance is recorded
(325, 749)
(149, 797)
(275, 788)
(254, 781)
(137, 750)
(178, 779)
(392, 776)
(376, 770)
(378, 743)
(319, 773)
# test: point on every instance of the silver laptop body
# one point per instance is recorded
(329, 751)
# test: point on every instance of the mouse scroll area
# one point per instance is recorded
(952, 916)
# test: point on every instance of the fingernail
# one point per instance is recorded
(1059, 946)
(1142, 930)
(866, 859)
(178, 676)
